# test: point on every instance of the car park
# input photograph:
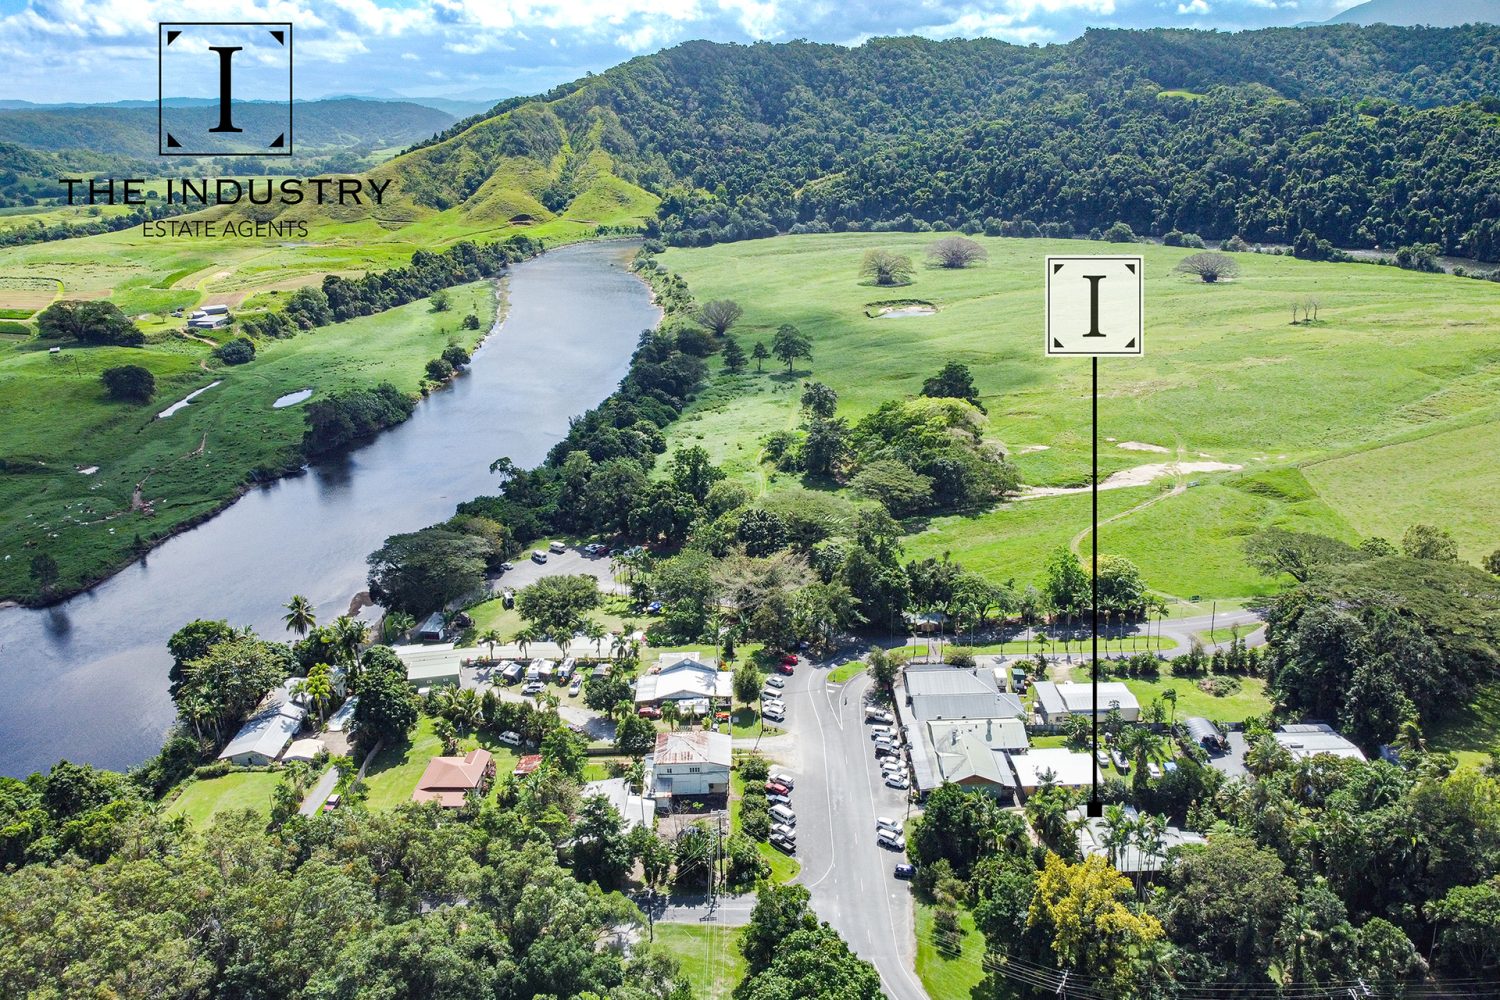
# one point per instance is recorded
(891, 839)
(906, 871)
(898, 781)
(775, 682)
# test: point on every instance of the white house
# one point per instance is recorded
(635, 810)
(691, 762)
(1055, 702)
(680, 677)
(1133, 855)
(1311, 739)
(266, 733)
(1062, 767)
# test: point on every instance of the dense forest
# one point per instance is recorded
(1363, 136)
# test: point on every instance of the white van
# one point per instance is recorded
(538, 556)
(783, 815)
(558, 547)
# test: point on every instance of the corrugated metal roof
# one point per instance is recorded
(693, 747)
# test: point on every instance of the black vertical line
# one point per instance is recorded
(1094, 574)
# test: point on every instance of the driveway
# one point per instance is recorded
(839, 793)
(320, 792)
(1232, 763)
(725, 910)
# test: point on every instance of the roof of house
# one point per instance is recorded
(1129, 857)
(1068, 768)
(448, 780)
(528, 763)
(997, 734)
(1311, 739)
(684, 678)
(693, 747)
(965, 758)
(304, 749)
(636, 810)
(938, 691)
(269, 729)
(433, 623)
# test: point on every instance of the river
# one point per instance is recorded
(86, 680)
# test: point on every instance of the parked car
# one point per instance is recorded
(886, 823)
(575, 687)
(1120, 761)
(773, 704)
(898, 781)
(648, 712)
(906, 871)
(779, 800)
(773, 716)
(1153, 769)
(557, 547)
(883, 750)
(782, 830)
(332, 802)
(654, 608)
(510, 738)
(777, 788)
(782, 778)
(538, 556)
(784, 844)
(782, 813)
(878, 731)
(775, 682)
(532, 687)
(873, 714)
(890, 765)
(785, 668)
(789, 659)
(891, 839)
(506, 567)
(884, 740)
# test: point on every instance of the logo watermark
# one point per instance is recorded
(224, 88)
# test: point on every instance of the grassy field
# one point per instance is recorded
(1379, 414)
(710, 956)
(1191, 700)
(192, 462)
(393, 775)
(201, 800)
(943, 974)
(1471, 733)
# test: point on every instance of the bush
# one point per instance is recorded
(1211, 267)
(455, 356)
(129, 382)
(471, 322)
(8, 326)
(1235, 244)
(238, 351)
(754, 769)
(1120, 232)
(439, 370)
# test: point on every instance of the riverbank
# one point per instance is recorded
(191, 465)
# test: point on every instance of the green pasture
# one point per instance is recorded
(58, 421)
(393, 775)
(1379, 414)
(709, 955)
(204, 798)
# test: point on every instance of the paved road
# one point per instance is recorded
(728, 911)
(320, 792)
(572, 562)
(838, 795)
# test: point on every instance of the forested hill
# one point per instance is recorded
(1364, 135)
(129, 131)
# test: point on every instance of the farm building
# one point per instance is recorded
(1056, 702)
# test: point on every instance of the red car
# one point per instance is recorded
(784, 668)
(776, 788)
(789, 659)
(648, 712)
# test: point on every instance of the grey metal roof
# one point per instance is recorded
(939, 678)
(1200, 729)
(930, 708)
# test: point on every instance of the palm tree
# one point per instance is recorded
(1117, 829)
(671, 714)
(595, 632)
(466, 709)
(1151, 839)
(299, 615)
(349, 635)
(1170, 696)
(318, 687)
(398, 623)
(524, 638)
(619, 643)
(491, 638)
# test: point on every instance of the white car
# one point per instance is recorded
(886, 823)
(878, 731)
(782, 830)
(891, 839)
(771, 716)
(575, 687)
(897, 781)
(781, 778)
(510, 738)
(776, 682)
(1153, 769)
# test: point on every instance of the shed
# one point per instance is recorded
(432, 629)
(1204, 733)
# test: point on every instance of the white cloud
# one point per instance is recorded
(1197, 8)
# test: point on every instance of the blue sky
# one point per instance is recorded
(84, 50)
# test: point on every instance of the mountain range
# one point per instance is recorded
(1434, 13)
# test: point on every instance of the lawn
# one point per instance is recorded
(1107, 644)
(1249, 701)
(1472, 733)
(847, 671)
(1384, 395)
(193, 462)
(709, 954)
(949, 975)
(393, 775)
(745, 723)
(202, 799)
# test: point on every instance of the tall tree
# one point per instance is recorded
(789, 344)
